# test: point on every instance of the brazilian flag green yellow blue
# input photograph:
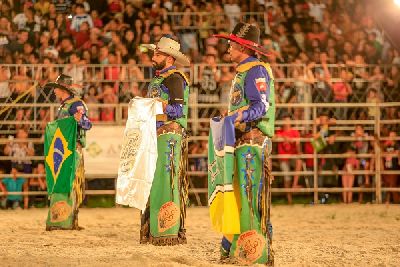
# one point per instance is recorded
(224, 207)
(59, 152)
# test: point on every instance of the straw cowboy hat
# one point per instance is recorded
(246, 35)
(65, 82)
(169, 46)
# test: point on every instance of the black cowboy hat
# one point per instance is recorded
(63, 82)
(246, 35)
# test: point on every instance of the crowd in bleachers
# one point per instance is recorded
(330, 45)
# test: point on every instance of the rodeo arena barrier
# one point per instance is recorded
(300, 90)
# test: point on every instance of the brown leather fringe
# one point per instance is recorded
(183, 181)
(168, 241)
(266, 205)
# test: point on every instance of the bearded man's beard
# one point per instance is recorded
(161, 65)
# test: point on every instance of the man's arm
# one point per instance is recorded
(78, 110)
(258, 92)
(175, 84)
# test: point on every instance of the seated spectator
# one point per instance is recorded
(289, 147)
(352, 164)
(14, 184)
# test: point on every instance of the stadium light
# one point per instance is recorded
(397, 2)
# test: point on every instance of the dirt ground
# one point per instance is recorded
(325, 235)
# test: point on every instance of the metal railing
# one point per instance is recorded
(375, 128)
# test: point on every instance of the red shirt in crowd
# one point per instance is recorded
(341, 91)
(288, 147)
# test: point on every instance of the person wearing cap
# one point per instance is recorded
(162, 223)
(251, 113)
(71, 105)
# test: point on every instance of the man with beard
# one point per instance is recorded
(162, 222)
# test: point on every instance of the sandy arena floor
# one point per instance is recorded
(332, 235)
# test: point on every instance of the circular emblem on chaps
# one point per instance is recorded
(168, 216)
(250, 247)
(60, 211)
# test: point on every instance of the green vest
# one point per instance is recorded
(63, 112)
(155, 91)
(239, 101)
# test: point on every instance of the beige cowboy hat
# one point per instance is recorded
(170, 47)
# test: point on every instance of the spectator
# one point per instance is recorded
(42, 6)
(19, 149)
(316, 9)
(323, 76)
(38, 184)
(209, 76)
(94, 39)
(82, 36)
(362, 146)
(298, 35)
(52, 12)
(304, 79)
(80, 17)
(352, 164)
(372, 98)
(109, 97)
(97, 21)
(391, 162)
(92, 98)
(63, 6)
(323, 141)
(289, 147)
(27, 19)
(224, 85)
(75, 68)
(66, 49)
(341, 92)
(18, 45)
(316, 34)
(115, 6)
(5, 91)
(232, 10)
(14, 184)
(61, 24)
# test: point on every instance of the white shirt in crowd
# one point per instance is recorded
(77, 20)
(21, 19)
(317, 11)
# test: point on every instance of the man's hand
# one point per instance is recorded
(78, 116)
(164, 103)
(239, 117)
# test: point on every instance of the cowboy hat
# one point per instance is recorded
(65, 82)
(246, 35)
(169, 46)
